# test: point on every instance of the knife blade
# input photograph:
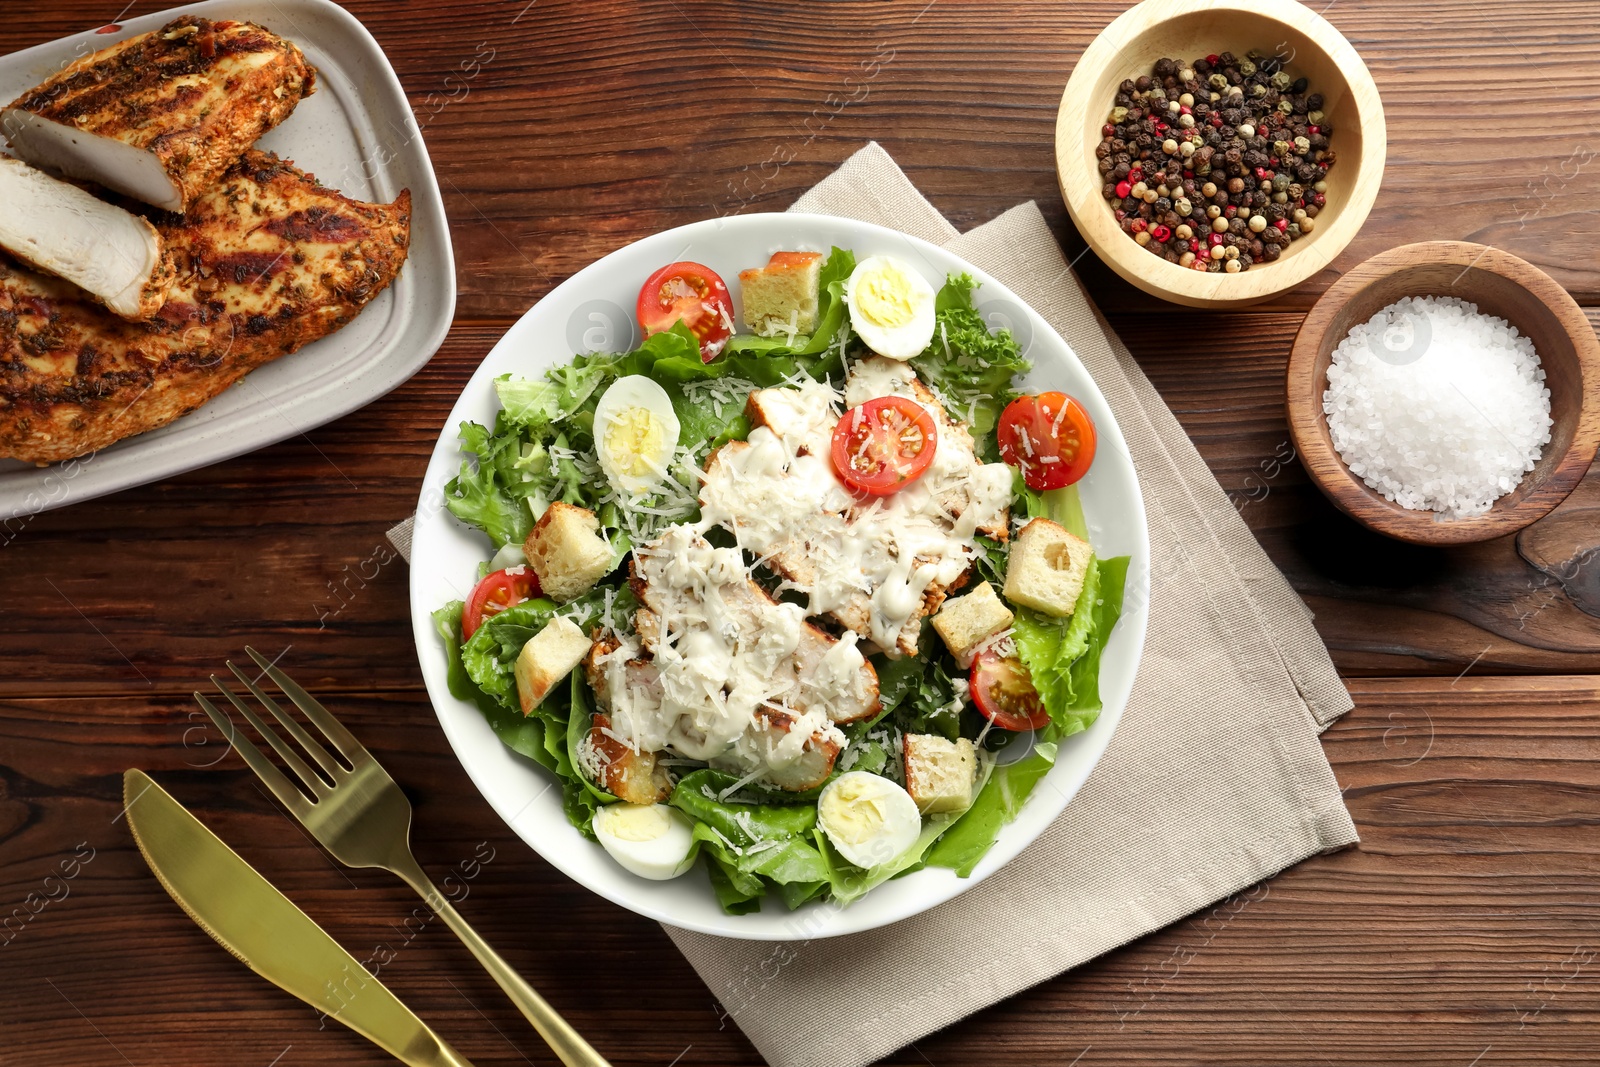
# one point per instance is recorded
(245, 914)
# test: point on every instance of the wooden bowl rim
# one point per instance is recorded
(1308, 424)
(1080, 182)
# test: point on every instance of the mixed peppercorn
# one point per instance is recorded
(1217, 164)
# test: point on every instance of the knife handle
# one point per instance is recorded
(568, 1045)
(441, 1055)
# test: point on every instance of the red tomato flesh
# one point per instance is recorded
(496, 593)
(694, 295)
(1050, 437)
(884, 445)
(1004, 694)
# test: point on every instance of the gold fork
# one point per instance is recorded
(360, 815)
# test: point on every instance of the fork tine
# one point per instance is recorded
(313, 782)
(274, 779)
(298, 732)
(320, 717)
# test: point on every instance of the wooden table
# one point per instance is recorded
(1465, 928)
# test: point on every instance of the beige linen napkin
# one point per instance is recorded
(1214, 780)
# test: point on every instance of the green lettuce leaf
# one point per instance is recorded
(534, 735)
(736, 893)
(1062, 506)
(530, 403)
(491, 654)
(1107, 609)
(1048, 646)
(990, 562)
(1063, 655)
(918, 692)
(536, 404)
(579, 718)
(750, 847)
(770, 840)
(972, 368)
(480, 494)
(997, 803)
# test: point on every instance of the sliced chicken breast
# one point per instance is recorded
(722, 672)
(266, 262)
(54, 226)
(792, 753)
(619, 769)
(815, 674)
(161, 116)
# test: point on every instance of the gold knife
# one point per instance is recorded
(242, 911)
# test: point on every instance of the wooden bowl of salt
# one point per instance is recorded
(1499, 284)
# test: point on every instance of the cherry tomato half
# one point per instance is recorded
(1004, 693)
(884, 445)
(694, 295)
(496, 593)
(1050, 437)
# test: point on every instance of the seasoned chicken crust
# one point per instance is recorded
(195, 94)
(267, 261)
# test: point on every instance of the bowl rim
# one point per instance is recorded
(1080, 182)
(533, 813)
(1308, 424)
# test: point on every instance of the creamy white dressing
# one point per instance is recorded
(871, 564)
(740, 681)
(725, 683)
(779, 743)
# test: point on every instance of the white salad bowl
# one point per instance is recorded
(593, 310)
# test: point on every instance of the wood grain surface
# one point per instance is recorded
(1464, 921)
(1463, 929)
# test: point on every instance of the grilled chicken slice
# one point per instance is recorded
(790, 750)
(56, 227)
(161, 116)
(620, 770)
(266, 262)
(811, 675)
(722, 672)
(769, 742)
(768, 654)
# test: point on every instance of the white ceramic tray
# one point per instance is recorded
(357, 134)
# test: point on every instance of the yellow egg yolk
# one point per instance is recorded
(633, 440)
(637, 822)
(884, 297)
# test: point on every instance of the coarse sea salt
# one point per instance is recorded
(1438, 406)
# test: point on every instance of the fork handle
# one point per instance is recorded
(568, 1045)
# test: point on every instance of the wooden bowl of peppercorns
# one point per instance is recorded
(1216, 153)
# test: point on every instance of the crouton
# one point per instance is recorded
(940, 774)
(1047, 568)
(624, 772)
(968, 621)
(781, 298)
(548, 657)
(567, 552)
